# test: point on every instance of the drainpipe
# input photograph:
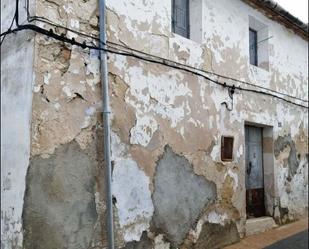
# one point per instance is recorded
(106, 125)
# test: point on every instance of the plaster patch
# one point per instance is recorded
(143, 131)
(57, 106)
(160, 243)
(118, 149)
(214, 217)
(74, 23)
(131, 190)
(67, 91)
(234, 176)
(149, 93)
(46, 78)
(215, 153)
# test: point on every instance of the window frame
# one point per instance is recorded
(187, 19)
(223, 153)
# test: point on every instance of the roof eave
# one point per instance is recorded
(274, 11)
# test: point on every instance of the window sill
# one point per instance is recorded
(256, 69)
(175, 35)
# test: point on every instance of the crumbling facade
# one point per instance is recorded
(171, 188)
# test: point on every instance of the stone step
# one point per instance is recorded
(259, 225)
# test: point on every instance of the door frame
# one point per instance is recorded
(268, 164)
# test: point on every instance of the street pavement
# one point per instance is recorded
(290, 236)
(297, 241)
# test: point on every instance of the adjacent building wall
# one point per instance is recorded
(17, 55)
(170, 187)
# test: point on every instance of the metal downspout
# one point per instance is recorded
(106, 124)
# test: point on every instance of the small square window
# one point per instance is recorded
(227, 148)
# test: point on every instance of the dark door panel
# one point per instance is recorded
(255, 202)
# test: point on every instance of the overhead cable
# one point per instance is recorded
(165, 62)
(47, 21)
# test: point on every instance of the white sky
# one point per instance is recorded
(298, 8)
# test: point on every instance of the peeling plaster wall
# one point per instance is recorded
(64, 203)
(165, 106)
(288, 72)
(155, 107)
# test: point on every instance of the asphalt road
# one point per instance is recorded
(297, 241)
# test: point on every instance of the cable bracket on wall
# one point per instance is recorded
(231, 91)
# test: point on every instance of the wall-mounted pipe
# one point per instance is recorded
(106, 125)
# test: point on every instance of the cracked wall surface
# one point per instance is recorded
(166, 129)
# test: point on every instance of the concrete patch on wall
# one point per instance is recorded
(133, 198)
(217, 236)
(208, 217)
(59, 208)
(179, 196)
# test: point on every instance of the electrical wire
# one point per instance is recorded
(9, 29)
(15, 18)
(231, 91)
(174, 65)
(162, 61)
(43, 19)
(209, 72)
(47, 21)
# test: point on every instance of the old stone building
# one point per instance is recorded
(208, 119)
